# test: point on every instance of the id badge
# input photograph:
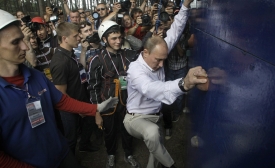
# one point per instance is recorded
(123, 82)
(35, 113)
(48, 74)
(83, 76)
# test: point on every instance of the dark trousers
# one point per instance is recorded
(167, 115)
(87, 128)
(176, 107)
(71, 125)
(70, 161)
(112, 124)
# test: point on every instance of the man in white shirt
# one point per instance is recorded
(147, 89)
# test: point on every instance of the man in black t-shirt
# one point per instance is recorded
(69, 77)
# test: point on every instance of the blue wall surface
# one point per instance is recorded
(233, 124)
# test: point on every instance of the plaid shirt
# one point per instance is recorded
(174, 60)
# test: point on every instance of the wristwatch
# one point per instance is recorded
(181, 85)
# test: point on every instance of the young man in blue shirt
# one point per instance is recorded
(29, 136)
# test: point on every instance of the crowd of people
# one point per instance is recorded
(119, 68)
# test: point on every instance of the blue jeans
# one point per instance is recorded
(176, 107)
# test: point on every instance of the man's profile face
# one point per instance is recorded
(102, 10)
(12, 47)
(42, 32)
(75, 17)
(156, 57)
(73, 39)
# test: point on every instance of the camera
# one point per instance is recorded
(146, 20)
(54, 18)
(93, 38)
(125, 5)
(55, 9)
(32, 25)
(95, 15)
(119, 18)
(26, 19)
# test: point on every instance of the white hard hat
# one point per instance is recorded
(104, 26)
(6, 18)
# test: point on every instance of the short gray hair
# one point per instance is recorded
(152, 42)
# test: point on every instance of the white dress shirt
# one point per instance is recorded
(147, 88)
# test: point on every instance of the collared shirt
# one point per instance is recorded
(65, 70)
(18, 138)
(147, 88)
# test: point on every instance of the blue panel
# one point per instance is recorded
(235, 120)
(248, 25)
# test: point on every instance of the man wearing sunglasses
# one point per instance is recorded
(102, 10)
(82, 13)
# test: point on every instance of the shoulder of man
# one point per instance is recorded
(94, 63)
(131, 55)
(36, 73)
(59, 60)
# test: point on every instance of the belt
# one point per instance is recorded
(157, 114)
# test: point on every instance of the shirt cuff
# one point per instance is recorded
(175, 87)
